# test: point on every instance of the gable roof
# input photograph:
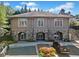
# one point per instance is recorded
(40, 14)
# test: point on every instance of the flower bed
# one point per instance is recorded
(47, 52)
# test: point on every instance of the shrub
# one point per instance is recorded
(47, 52)
(7, 38)
(56, 45)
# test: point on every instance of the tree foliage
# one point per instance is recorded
(9, 10)
(77, 16)
(73, 23)
(22, 10)
(5, 11)
(3, 18)
(3, 15)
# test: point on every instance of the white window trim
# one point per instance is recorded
(20, 20)
(18, 23)
(58, 20)
(39, 19)
(26, 35)
(62, 22)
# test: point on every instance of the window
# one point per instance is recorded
(58, 22)
(40, 22)
(22, 22)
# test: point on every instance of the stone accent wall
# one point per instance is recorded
(32, 27)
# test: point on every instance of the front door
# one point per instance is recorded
(40, 36)
(22, 36)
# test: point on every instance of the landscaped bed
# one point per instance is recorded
(44, 50)
(47, 52)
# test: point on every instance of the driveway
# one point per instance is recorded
(30, 48)
(24, 43)
(27, 50)
(22, 48)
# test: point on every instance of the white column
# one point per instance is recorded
(70, 37)
(46, 36)
(34, 36)
(27, 35)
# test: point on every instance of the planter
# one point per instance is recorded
(47, 52)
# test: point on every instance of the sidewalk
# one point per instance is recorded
(22, 44)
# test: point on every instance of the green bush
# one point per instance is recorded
(8, 38)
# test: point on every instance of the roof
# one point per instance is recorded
(39, 14)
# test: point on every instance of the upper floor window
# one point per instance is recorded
(58, 22)
(22, 22)
(40, 22)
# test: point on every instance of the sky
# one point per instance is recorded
(51, 6)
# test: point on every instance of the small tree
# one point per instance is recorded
(25, 9)
(38, 9)
(77, 16)
(73, 23)
(17, 12)
(4, 12)
(29, 10)
(3, 16)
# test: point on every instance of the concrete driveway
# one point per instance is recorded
(24, 43)
(24, 48)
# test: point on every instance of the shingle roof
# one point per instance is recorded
(39, 14)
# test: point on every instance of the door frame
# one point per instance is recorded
(20, 34)
(40, 36)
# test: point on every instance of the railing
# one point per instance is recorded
(4, 51)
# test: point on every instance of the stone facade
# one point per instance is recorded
(32, 29)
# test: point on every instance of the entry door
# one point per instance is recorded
(22, 36)
(40, 36)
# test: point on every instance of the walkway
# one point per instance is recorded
(24, 43)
